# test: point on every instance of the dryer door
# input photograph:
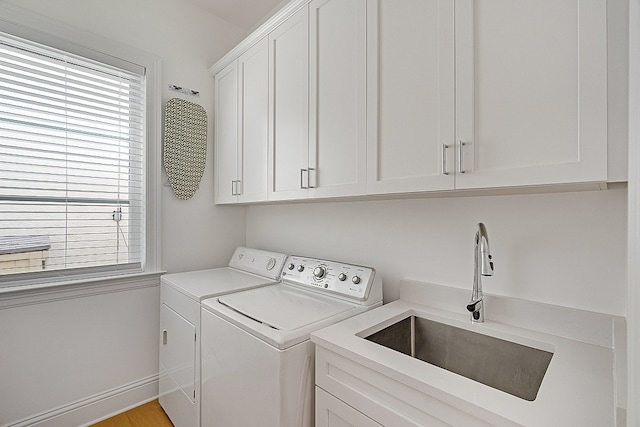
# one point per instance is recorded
(177, 356)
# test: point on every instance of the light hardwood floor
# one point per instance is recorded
(148, 415)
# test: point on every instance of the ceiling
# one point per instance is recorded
(243, 13)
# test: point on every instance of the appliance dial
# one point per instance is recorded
(290, 266)
(271, 263)
(342, 277)
(319, 272)
(355, 280)
(301, 268)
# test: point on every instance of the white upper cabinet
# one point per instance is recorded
(253, 72)
(360, 97)
(289, 108)
(337, 98)
(241, 127)
(226, 133)
(531, 92)
(410, 108)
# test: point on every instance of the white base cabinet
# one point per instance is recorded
(361, 396)
(332, 412)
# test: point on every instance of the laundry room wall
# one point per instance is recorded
(68, 357)
(566, 249)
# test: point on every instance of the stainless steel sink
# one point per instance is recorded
(513, 368)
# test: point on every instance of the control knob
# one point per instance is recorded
(290, 266)
(301, 268)
(342, 277)
(355, 280)
(319, 272)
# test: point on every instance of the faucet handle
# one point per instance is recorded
(474, 305)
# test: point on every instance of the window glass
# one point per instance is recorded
(71, 163)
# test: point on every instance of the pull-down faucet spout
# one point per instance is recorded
(482, 266)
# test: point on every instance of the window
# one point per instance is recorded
(72, 134)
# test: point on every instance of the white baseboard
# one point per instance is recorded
(96, 408)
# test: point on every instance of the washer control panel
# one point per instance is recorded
(256, 261)
(348, 280)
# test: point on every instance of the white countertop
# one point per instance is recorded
(578, 388)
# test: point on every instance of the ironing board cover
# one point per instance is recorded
(185, 146)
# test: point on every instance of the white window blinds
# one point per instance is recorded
(71, 163)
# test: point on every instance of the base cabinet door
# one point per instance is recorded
(531, 89)
(332, 412)
(410, 96)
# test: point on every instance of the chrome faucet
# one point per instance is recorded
(482, 266)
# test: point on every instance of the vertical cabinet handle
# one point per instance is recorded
(164, 337)
(309, 178)
(444, 170)
(302, 171)
(235, 188)
(461, 145)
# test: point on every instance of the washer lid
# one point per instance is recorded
(285, 308)
(202, 284)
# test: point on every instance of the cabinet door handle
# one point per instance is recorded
(164, 337)
(302, 171)
(309, 178)
(461, 145)
(444, 159)
(236, 188)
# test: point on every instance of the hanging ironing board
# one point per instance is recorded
(185, 146)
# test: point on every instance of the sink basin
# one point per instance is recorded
(513, 368)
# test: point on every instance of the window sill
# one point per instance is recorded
(17, 296)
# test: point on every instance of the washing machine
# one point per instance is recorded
(181, 295)
(257, 358)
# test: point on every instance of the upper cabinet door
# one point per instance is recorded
(337, 98)
(410, 96)
(288, 165)
(253, 70)
(226, 134)
(531, 89)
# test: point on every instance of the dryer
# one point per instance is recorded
(257, 358)
(181, 295)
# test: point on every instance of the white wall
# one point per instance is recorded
(69, 360)
(78, 353)
(567, 249)
(633, 287)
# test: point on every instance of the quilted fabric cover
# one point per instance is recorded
(185, 146)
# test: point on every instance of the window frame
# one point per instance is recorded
(16, 22)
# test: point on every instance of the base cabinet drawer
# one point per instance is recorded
(333, 412)
(390, 402)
